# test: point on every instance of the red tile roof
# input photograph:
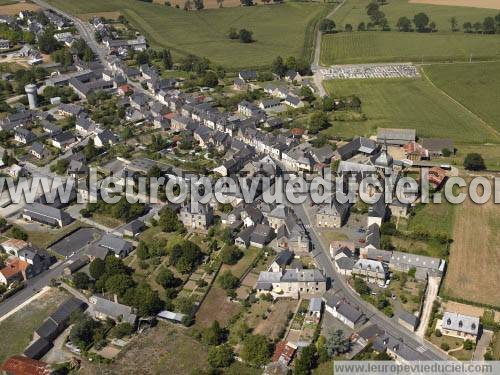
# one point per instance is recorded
(284, 352)
(18, 365)
(14, 267)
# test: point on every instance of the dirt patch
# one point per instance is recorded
(106, 15)
(276, 320)
(216, 307)
(474, 259)
(467, 309)
(488, 4)
(164, 347)
(209, 4)
(14, 9)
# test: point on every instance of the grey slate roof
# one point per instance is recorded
(459, 322)
(349, 312)
(115, 244)
(112, 309)
(47, 214)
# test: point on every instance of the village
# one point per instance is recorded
(278, 277)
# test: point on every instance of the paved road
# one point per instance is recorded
(321, 254)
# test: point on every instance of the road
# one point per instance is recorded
(315, 66)
(321, 254)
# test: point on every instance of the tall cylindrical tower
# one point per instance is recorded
(31, 92)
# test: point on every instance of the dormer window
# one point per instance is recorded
(448, 322)
(460, 324)
(473, 326)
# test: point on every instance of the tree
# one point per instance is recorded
(467, 26)
(336, 343)
(47, 43)
(378, 17)
(474, 162)
(247, 3)
(185, 255)
(256, 350)
(245, 36)
(82, 332)
(97, 268)
(306, 94)
(122, 329)
(446, 153)
(421, 20)
(445, 346)
(278, 67)
(220, 356)
(432, 26)
(210, 79)
(230, 255)
(317, 121)
(348, 27)
(361, 26)
(169, 222)
(115, 266)
(90, 151)
(478, 26)
(232, 33)
(372, 7)
(228, 281)
(142, 58)
(144, 299)
(81, 280)
(489, 25)
(19, 234)
(468, 345)
(306, 360)
(198, 4)
(167, 279)
(327, 26)
(361, 287)
(213, 335)
(404, 24)
(166, 58)
(119, 284)
(454, 24)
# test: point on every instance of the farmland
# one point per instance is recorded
(476, 86)
(277, 29)
(376, 46)
(443, 45)
(407, 103)
(472, 273)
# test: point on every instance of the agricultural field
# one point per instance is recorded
(407, 103)
(475, 86)
(17, 330)
(472, 273)
(285, 29)
(443, 45)
(11, 8)
(488, 4)
(393, 46)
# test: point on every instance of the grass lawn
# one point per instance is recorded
(431, 218)
(472, 273)
(244, 263)
(377, 46)
(238, 368)
(106, 220)
(285, 30)
(490, 153)
(331, 235)
(162, 347)
(452, 342)
(354, 12)
(476, 86)
(46, 237)
(17, 330)
(216, 307)
(407, 103)
(462, 354)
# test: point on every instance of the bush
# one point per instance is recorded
(228, 281)
(19, 234)
(122, 330)
(468, 345)
(438, 333)
(230, 255)
(474, 162)
(445, 346)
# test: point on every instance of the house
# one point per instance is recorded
(282, 259)
(314, 308)
(85, 125)
(332, 215)
(269, 104)
(39, 151)
(46, 215)
(50, 128)
(13, 246)
(377, 212)
(335, 246)
(395, 348)
(14, 270)
(399, 209)
(76, 265)
(248, 109)
(372, 271)
(293, 75)
(24, 136)
(133, 228)
(105, 138)
(409, 321)
(19, 365)
(293, 101)
(58, 321)
(395, 137)
(462, 326)
(293, 236)
(70, 110)
(340, 308)
(291, 283)
(284, 353)
(103, 309)
(239, 84)
(77, 169)
(436, 176)
(63, 140)
(38, 348)
(436, 146)
(261, 235)
(425, 266)
(343, 260)
(277, 217)
(248, 75)
(415, 151)
(118, 246)
(15, 171)
(125, 89)
(196, 216)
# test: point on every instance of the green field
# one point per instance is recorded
(285, 29)
(377, 46)
(476, 86)
(408, 103)
(354, 12)
(365, 47)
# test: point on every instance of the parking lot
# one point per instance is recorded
(370, 71)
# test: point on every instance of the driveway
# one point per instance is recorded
(482, 345)
(430, 296)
